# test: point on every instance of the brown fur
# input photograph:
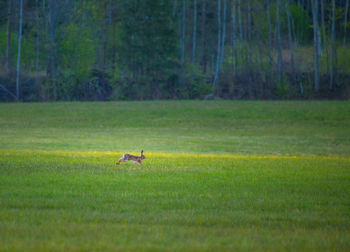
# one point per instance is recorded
(132, 158)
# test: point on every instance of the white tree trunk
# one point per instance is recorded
(279, 42)
(222, 56)
(174, 7)
(183, 34)
(249, 34)
(19, 48)
(240, 21)
(234, 38)
(346, 19)
(270, 34)
(332, 46)
(37, 38)
(194, 39)
(325, 35)
(316, 43)
(290, 37)
(8, 40)
(52, 47)
(203, 31)
(218, 48)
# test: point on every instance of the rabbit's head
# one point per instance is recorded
(142, 156)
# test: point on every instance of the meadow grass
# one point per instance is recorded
(248, 127)
(60, 188)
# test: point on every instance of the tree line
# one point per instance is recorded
(174, 49)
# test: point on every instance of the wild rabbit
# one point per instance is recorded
(132, 158)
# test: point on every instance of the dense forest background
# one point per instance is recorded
(174, 49)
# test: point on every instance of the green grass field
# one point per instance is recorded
(219, 175)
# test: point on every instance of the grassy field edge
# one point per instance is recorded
(68, 153)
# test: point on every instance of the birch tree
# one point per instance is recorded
(222, 54)
(249, 34)
(114, 41)
(279, 42)
(240, 21)
(52, 47)
(19, 48)
(174, 7)
(345, 20)
(144, 45)
(37, 38)
(218, 52)
(234, 37)
(194, 38)
(316, 50)
(332, 46)
(8, 40)
(204, 39)
(324, 34)
(290, 37)
(183, 34)
(270, 34)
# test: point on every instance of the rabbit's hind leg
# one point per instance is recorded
(119, 161)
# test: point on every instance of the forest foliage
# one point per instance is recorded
(174, 49)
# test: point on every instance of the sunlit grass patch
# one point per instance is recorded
(101, 156)
(220, 176)
(81, 200)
